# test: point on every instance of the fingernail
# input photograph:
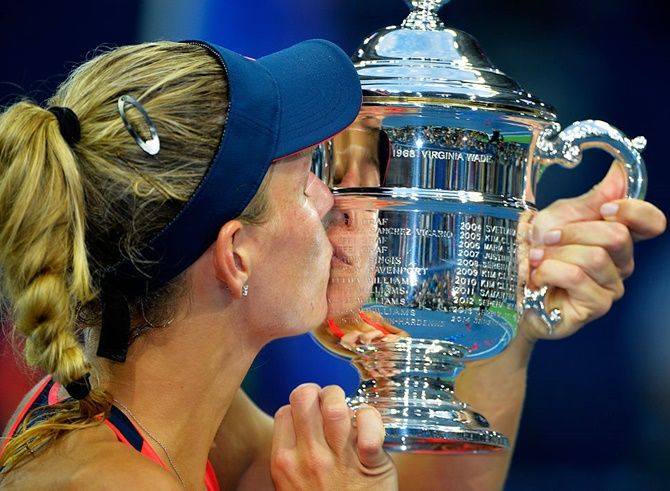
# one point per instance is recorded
(609, 209)
(552, 237)
(536, 254)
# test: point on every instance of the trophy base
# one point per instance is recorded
(410, 382)
(444, 440)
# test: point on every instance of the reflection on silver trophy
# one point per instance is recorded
(434, 196)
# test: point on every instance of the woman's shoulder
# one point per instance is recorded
(90, 458)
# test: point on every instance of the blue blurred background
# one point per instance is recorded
(598, 407)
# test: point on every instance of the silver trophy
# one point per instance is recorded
(434, 189)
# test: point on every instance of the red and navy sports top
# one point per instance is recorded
(126, 432)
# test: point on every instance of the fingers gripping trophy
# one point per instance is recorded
(434, 190)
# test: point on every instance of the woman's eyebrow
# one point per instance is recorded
(299, 155)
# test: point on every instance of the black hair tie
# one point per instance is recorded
(68, 123)
(115, 328)
(80, 388)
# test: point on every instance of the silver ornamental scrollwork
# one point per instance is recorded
(565, 148)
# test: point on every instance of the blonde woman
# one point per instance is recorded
(159, 225)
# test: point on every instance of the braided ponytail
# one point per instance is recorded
(45, 273)
(67, 213)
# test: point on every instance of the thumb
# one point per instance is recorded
(370, 438)
(582, 208)
(612, 187)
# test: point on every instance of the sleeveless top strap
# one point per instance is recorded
(126, 432)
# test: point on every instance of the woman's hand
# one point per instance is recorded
(583, 248)
(319, 445)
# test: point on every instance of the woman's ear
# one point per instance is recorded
(232, 262)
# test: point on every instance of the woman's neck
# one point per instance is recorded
(179, 382)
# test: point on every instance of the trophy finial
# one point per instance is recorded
(423, 14)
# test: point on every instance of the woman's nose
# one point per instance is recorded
(320, 196)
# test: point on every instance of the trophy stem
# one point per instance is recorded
(423, 15)
(410, 382)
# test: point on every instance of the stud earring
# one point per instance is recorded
(245, 290)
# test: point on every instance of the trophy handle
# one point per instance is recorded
(565, 148)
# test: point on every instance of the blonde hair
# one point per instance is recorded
(69, 212)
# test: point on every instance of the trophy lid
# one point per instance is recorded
(424, 62)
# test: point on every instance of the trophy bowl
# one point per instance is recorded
(434, 188)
